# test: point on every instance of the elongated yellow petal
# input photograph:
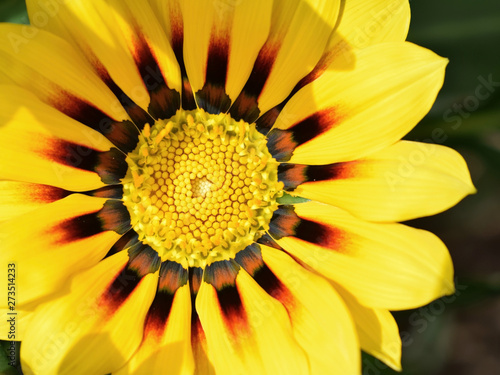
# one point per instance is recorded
(53, 70)
(17, 198)
(401, 182)
(321, 323)
(169, 15)
(60, 76)
(362, 23)
(298, 36)
(365, 23)
(123, 41)
(240, 318)
(166, 345)
(377, 330)
(54, 242)
(388, 266)
(90, 330)
(52, 148)
(222, 41)
(13, 322)
(345, 115)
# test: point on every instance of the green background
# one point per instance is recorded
(459, 335)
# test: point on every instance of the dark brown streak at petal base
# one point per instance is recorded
(119, 290)
(213, 97)
(268, 241)
(251, 260)
(123, 135)
(43, 193)
(109, 165)
(245, 107)
(143, 259)
(172, 277)
(110, 192)
(139, 116)
(222, 276)
(164, 101)
(268, 119)
(282, 143)
(141, 263)
(127, 240)
(286, 223)
(293, 175)
(187, 97)
(198, 338)
(113, 216)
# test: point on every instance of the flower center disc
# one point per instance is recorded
(200, 187)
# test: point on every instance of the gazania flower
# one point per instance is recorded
(149, 153)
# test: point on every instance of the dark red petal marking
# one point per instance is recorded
(139, 116)
(119, 290)
(251, 260)
(164, 101)
(143, 259)
(267, 120)
(245, 107)
(282, 143)
(285, 222)
(113, 216)
(123, 135)
(127, 240)
(268, 241)
(177, 29)
(222, 276)
(128, 278)
(293, 175)
(213, 97)
(198, 338)
(38, 193)
(172, 277)
(109, 165)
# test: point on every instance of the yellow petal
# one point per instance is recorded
(52, 243)
(52, 148)
(167, 329)
(122, 39)
(51, 68)
(221, 42)
(93, 329)
(17, 198)
(377, 330)
(169, 15)
(13, 322)
(401, 182)
(298, 36)
(361, 24)
(61, 77)
(365, 23)
(345, 115)
(388, 266)
(246, 329)
(321, 323)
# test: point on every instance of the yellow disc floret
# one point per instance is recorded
(200, 187)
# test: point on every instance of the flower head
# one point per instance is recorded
(151, 153)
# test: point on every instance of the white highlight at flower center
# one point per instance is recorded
(200, 187)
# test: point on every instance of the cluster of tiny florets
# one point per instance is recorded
(200, 187)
